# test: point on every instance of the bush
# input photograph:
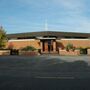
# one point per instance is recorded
(83, 50)
(70, 47)
(28, 48)
(14, 52)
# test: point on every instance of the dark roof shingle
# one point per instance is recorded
(49, 33)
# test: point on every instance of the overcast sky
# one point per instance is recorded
(30, 15)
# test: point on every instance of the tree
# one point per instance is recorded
(3, 38)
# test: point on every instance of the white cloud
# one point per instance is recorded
(73, 19)
(76, 20)
(71, 4)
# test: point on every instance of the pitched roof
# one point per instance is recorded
(49, 33)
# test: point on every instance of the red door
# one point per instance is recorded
(46, 46)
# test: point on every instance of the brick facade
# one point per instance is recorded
(64, 52)
(20, 44)
(48, 41)
(76, 43)
(4, 52)
(56, 44)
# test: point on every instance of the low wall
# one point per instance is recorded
(28, 53)
(88, 51)
(4, 52)
(70, 52)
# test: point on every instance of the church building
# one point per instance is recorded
(48, 41)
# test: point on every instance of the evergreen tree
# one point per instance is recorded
(3, 38)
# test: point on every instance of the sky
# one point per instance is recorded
(17, 16)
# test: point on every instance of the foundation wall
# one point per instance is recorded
(70, 52)
(88, 51)
(4, 52)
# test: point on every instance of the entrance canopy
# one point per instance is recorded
(47, 38)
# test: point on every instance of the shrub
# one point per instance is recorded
(14, 52)
(70, 47)
(28, 48)
(83, 50)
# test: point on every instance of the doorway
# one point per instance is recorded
(47, 45)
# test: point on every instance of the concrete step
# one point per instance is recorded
(50, 53)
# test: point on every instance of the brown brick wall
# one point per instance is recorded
(76, 43)
(60, 43)
(28, 53)
(21, 44)
(4, 52)
(64, 52)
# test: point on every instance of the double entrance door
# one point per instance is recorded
(48, 46)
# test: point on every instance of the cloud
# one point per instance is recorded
(74, 10)
(70, 4)
(75, 19)
(66, 15)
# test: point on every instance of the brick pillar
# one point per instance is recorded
(54, 46)
(41, 45)
(88, 51)
(46, 46)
